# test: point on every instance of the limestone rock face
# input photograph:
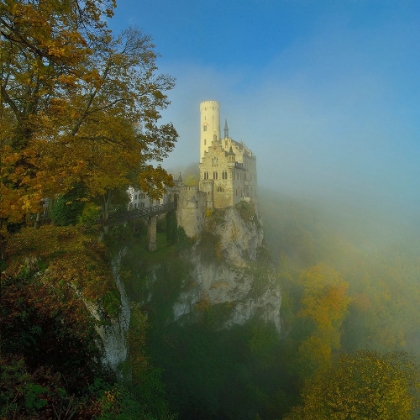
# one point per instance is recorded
(113, 336)
(239, 239)
(230, 268)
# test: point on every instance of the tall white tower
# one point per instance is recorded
(209, 124)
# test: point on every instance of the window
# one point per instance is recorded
(205, 128)
(214, 175)
(224, 175)
(220, 189)
(204, 142)
(206, 175)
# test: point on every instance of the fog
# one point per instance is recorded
(325, 119)
(325, 93)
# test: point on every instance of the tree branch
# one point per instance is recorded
(10, 102)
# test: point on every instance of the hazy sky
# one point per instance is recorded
(325, 92)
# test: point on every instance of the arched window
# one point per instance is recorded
(220, 189)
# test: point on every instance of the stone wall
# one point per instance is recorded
(191, 210)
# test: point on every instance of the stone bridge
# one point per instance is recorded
(150, 213)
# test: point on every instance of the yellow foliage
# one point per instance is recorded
(77, 116)
(325, 301)
(69, 255)
(365, 386)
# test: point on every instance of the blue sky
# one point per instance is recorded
(325, 92)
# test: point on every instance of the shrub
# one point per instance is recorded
(69, 207)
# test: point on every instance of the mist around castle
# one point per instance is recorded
(233, 284)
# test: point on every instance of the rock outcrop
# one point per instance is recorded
(114, 334)
(230, 267)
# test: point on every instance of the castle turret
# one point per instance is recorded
(231, 157)
(209, 124)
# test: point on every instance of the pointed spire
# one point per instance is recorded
(231, 156)
(226, 129)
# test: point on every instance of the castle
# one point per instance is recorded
(228, 172)
(228, 175)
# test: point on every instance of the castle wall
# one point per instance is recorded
(216, 177)
(228, 177)
(191, 210)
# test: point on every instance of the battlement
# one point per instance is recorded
(189, 187)
(209, 104)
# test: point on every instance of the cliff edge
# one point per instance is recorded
(230, 267)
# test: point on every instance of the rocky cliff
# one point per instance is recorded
(229, 267)
(113, 334)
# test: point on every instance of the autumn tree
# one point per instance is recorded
(324, 303)
(78, 105)
(366, 385)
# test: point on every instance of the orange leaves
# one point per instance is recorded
(82, 96)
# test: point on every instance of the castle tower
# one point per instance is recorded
(209, 124)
